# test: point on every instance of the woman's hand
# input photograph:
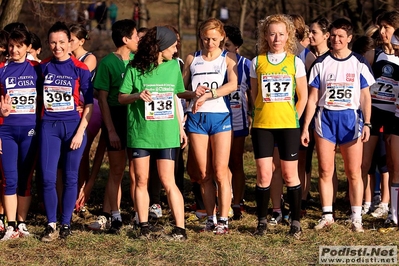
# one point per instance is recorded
(77, 141)
(145, 95)
(5, 108)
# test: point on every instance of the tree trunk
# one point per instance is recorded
(180, 23)
(10, 12)
(242, 15)
(144, 16)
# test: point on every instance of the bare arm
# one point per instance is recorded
(91, 62)
(365, 105)
(309, 113)
(302, 93)
(78, 138)
(106, 114)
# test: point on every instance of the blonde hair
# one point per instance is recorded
(212, 24)
(263, 29)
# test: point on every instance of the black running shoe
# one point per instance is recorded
(295, 231)
(260, 229)
(145, 233)
(177, 234)
(115, 226)
(65, 231)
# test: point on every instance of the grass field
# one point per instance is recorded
(240, 247)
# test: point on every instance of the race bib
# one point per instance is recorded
(23, 101)
(339, 94)
(58, 99)
(161, 108)
(383, 90)
(277, 88)
(235, 100)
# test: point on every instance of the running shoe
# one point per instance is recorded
(145, 233)
(276, 218)
(155, 211)
(11, 233)
(177, 234)
(50, 234)
(115, 226)
(376, 201)
(365, 209)
(381, 211)
(260, 229)
(295, 231)
(237, 213)
(23, 231)
(323, 222)
(65, 231)
(101, 224)
(209, 226)
(389, 225)
(357, 226)
(2, 227)
(221, 229)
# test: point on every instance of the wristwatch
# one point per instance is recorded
(368, 125)
(214, 93)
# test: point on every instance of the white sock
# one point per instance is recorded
(394, 202)
(356, 213)
(328, 209)
(53, 225)
(367, 204)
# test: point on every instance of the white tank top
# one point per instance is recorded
(211, 74)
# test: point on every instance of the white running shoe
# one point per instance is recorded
(155, 211)
(10, 233)
(102, 223)
(380, 211)
(357, 226)
(323, 222)
(23, 231)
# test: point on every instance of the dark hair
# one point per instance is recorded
(79, 31)
(59, 26)
(391, 18)
(234, 35)
(15, 26)
(323, 24)
(4, 44)
(36, 43)
(20, 36)
(376, 14)
(146, 58)
(142, 29)
(363, 44)
(342, 23)
(178, 46)
(120, 29)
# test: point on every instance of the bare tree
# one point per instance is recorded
(10, 12)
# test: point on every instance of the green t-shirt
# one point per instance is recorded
(154, 125)
(109, 76)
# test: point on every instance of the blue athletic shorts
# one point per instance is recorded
(339, 127)
(208, 123)
(241, 133)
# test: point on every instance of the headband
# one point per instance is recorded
(166, 38)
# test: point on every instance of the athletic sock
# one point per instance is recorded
(12, 223)
(224, 220)
(262, 196)
(53, 225)
(356, 213)
(116, 215)
(213, 218)
(294, 199)
(394, 202)
(327, 212)
(367, 204)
